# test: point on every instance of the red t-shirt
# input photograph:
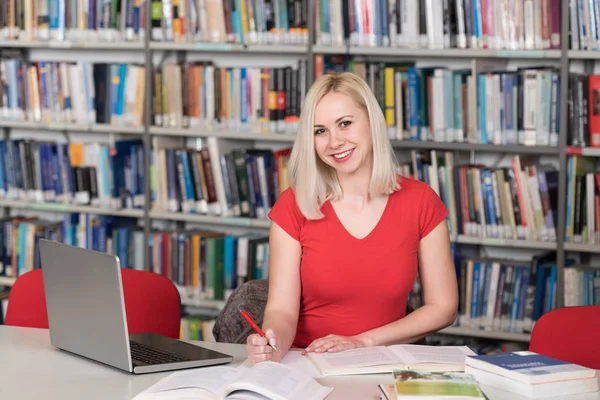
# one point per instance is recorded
(352, 285)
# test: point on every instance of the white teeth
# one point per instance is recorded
(342, 155)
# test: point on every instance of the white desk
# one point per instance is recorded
(30, 368)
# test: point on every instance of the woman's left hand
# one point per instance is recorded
(335, 343)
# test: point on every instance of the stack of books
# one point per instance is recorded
(530, 374)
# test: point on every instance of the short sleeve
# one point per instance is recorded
(286, 214)
(432, 211)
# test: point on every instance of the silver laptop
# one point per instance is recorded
(86, 315)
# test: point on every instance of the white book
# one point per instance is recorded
(410, 34)
(266, 380)
(545, 390)
(529, 23)
(491, 304)
(438, 88)
(214, 151)
(241, 266)
(382, 359)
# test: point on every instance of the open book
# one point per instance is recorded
(382, 359)
(263, 381)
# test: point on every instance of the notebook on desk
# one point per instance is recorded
(384, 359)
(87, 316)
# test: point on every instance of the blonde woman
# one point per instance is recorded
(349, 235)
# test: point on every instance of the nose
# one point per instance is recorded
(336, 139)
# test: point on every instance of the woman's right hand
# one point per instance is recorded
(258, 349)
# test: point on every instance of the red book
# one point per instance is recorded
(594, 110)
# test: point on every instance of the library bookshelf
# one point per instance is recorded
(311, 49)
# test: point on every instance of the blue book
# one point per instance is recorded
(529, 367)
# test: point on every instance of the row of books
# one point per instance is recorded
(502, 295)
(444, 105)
(583, 110)
(204, 265)
(222, 179)
(495, 294)
(197, 327)
(72, 20)
(515, 202)
(584, 24)
(247, 22)
(202, 95)
(583, 201)
(208, 265)
(72, 92)
(218, 180)
(507, 296)
(582, 285)
(76, 173)
(186, 95)
(437, 24)
(420, 103)
(215, 179)
(48, 92)
(501, 24)
(19, 236)
(253, 22)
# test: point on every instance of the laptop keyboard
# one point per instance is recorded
(150, 355)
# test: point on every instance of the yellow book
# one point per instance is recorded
(390, 114)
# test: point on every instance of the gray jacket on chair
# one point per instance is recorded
(251, 297)
(231, 327)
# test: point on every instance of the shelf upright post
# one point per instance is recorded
(310, 59)
(562, 155)
(147, 139)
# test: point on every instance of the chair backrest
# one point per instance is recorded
(569, 334)
(26, 302)
(251, 297)
(152, 303)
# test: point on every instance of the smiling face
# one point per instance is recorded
(342, 134)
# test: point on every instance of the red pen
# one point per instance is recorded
(248, 318)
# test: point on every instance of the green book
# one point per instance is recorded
(411, 384)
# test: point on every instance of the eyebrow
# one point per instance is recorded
(336, 121)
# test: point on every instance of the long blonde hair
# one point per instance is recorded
(313, 181)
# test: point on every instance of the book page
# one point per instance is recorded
(355, 358)
(412, 354)
(211, 379)
(245, 395)
(278, 381)
(296, 360)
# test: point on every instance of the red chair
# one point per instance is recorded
(569, 334)
(152, 303)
